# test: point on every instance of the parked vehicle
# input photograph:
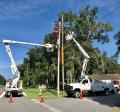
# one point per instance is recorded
(117, 85)
(15, 91)
(14, 85)
(87, 85)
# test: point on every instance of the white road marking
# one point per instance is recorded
(45, 105)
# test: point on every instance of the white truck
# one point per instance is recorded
(15, 85)
(87, 85)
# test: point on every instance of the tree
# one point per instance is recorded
(41, 66)
(87, 29)
(2, 80)
(117, 38)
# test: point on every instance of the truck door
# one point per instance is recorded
(86, 85)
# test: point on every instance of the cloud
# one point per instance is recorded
(23, 8)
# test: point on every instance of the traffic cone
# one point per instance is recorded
(42, 99)
(10, 100)
(40, 93)
(81, 95)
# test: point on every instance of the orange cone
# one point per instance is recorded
(81, 95)
(42, 99)
(10, 100)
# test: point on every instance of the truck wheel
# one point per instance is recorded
(6, 95)
(77, 94)
(116, 90)
(106, 91)
(112, 91)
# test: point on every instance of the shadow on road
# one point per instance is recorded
(110, 100)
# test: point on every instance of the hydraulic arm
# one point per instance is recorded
(87, 57)
(15, 72)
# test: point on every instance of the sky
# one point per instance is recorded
(31, 20)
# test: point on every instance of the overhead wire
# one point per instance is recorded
(73, 8)
(106, 15)
(112, 11)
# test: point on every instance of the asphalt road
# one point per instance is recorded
(90, 104)
(21, 104)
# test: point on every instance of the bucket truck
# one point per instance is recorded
(86, 84)
(87, 57)
(14, 85)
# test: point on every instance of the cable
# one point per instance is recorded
(110, 12)
(106, 16)
(74, 8)
(74, 5)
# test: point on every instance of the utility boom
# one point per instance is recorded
(14, 84)
(87, 57)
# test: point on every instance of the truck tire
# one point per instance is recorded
(113, 92)
(106, 91)
(77, 94)
(6, 95)
(116, 90)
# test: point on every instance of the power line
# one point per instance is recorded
(107, 15)
(75, 5)
(110, 12)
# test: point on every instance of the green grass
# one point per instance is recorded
(47, 93)
(116, 110)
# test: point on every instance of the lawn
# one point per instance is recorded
(47, 93)
(117, 110)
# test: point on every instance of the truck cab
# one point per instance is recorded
(13, 90)
(88, 85)
(74, 89)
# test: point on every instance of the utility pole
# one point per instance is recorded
(27, 76)
(58, 31)
(62, 55)
(58, 77)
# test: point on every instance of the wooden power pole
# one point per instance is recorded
(62, 57)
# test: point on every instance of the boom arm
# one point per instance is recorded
(5, 42)
(87, 57)
(13, 65)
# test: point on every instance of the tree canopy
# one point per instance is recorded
(2, 80)
(41, 67)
